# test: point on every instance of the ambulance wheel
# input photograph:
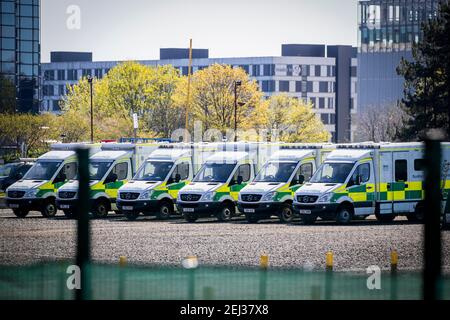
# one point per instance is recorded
(251, 218)
(385, 217)
(165, 210)
(131, 215)
(70, 214)
(49, 208)
(418, 215)
(226, 212)
(308, 219)
(344, 214)
(190, 217)
(286, 213)
(101, 209)
(20, 213)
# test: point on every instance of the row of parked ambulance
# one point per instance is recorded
(223, 180)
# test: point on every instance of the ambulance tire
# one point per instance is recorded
(21, 213)
(344, 214)
(418, 215)
(251, 218)
(130, 215)
(49, 209)
(308, 219)
(101, 209)
(190, 217)
(286, 214)
(226, 212)
(165, 210)
(385, 217)
(70, 214)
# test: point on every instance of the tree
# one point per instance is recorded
(427, 78)
(128, 88)
(291, 120)
(212, 98)
(380, 123)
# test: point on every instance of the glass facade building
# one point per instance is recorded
(387, 30)
(20, 55)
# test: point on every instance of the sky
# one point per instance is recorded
(137, 29)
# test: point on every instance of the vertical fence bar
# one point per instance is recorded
(329, 275)
(394, 265)
(83, 204)
(263, 264)
(122, 264)
(432, 241)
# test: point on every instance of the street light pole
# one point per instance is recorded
(236, 84)
(92, 112)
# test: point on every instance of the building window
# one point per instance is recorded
(284, 86)
(98, 73)
(245, 67)
(256, 70)
(353, 72)
(72, 74)
(269, 70)
(268, 85)
(55, 105)
(321, 103)
(324, 118)
(49, 75)
(61, 74)
(330, 103)
(86, 72)
(61, 89)
(317, 71)
(309, 86)
(323, 86)
(332, 118)
(298, 86)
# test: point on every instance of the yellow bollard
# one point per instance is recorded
(264, 261)
(394, 261)
(122, 261)
(329, 261)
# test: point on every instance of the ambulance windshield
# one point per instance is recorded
(97, 169)
(276, 172)
(42, 170)
(330, 172)
(153, 171)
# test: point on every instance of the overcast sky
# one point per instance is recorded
(136, 29)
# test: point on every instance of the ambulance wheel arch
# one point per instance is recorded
(286, 213)
(165, 208)
(101, 206)
(49, 209)
(345, 212)
(227, 210)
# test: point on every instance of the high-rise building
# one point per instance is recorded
(387, 31)
(323, 76)
(19, 55)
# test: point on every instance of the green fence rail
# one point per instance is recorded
(49, 282)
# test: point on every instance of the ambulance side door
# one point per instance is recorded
(400, 186)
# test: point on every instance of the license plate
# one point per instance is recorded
(127, 208)
(249, 210)
(65, 206)
(305, 211)
(188, 209)
(13, 205)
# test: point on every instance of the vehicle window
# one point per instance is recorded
(305, 170)
(332, 172)
(70, 170)
(6, 169)
(419, 165)
(183, 170)
(363, 171)
(401, 170)
(42, 170)
(153, 171)
(98, 169)
(24, 169)
(244, 172)
(121, 169)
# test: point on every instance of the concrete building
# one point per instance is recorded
(19, 55)
(387, 30)
(324, 76)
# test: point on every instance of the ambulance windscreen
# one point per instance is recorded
(153, 171)
(276, 172)
(98, 169)
(42, 170)
(332, 173)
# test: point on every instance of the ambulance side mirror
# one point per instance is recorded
(301, 179)
(240, 180)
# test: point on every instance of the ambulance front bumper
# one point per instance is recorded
(316, 209)
(137, 205)
(198, 208)
(29, 204)
(261, 208)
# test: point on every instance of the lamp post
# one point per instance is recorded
(236, 84)
(89, 79)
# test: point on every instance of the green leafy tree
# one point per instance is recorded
(427, 83)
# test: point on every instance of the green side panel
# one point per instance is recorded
(59, 184)
(219, 195)
(176, 186)
(336, 196)
(114, 185)
(357, 189)
(295, 187)
(94, 192)
(371, 196)
(237, 187)
(413, 194)
(41, 192)
(157, 193)
(280, 195)
(383, 195)
(397, 186)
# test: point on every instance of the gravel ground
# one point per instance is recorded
(152, 242)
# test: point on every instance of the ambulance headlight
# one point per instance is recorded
(31, 193)
(268, 196)
(146, 195)
(325, 198)
(208, 196)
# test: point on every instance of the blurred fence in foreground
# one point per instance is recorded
(48, 281)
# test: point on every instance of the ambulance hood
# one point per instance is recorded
(139, 186)
(318, 188)
(27, 184)
(201, 187)
(261, 187)
(72, 185)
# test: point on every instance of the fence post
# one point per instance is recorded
(328, 274)
(122, 265)
(83, 204)
(263, 264)
(432, 234)
(394, 264)
(191, 263)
